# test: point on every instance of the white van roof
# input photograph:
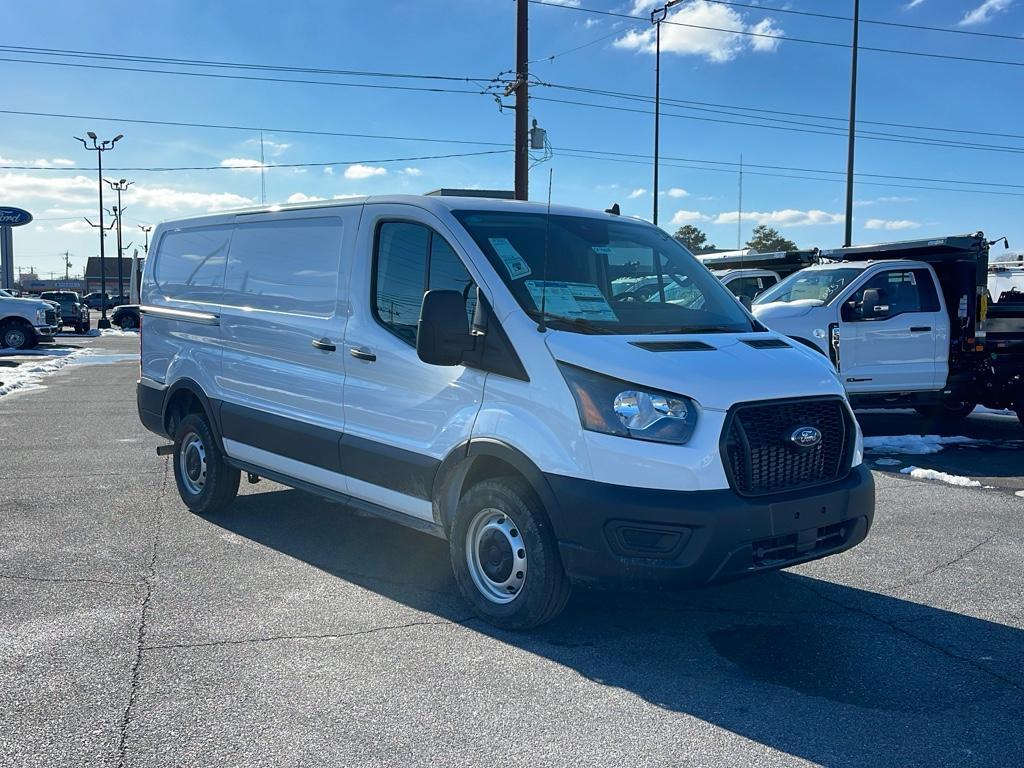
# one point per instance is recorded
(433, 203)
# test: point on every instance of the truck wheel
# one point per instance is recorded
(79, 328)
(129, 323)
(17, 336)
(505, 557)
(950, 410)
(206, 482)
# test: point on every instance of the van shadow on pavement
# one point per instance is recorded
(829, 673)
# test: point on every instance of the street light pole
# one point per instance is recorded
(99, 147)
(147, 230)
(853, 127)
(657, 16)
(119, 187)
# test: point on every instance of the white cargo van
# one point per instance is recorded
(464, 367)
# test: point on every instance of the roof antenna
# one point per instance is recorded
(614, 210)
(541, 325)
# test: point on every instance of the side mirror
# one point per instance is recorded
(443, 336)
(747, 302)
(872, 306)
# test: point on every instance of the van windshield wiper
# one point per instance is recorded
(579, 323)
(701, 329)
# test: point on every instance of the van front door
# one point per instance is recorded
(889, 333)
(402, 416)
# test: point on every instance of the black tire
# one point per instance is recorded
(17, 335)
(544, 589)
(128, 322)
(1019, 408)
(209, 492)
(947, 411)
(80, 328)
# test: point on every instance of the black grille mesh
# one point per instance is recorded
(761, 459)
(51, 317)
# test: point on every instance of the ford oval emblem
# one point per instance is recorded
(14, 217)
(805, 437)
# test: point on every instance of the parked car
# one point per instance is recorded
(117, 299)
(73, 312)
(462, 366)
(25, 322)
(908, 325)
(95, 300)
(126, 317)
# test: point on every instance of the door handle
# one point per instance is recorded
(325, 344)
(362, 353)
(920, 328)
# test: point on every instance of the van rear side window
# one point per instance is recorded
(190, 263)
(285, 266)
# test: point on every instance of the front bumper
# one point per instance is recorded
(46, 332)
(655, 538)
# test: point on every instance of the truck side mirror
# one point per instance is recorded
(872, 307)
(443, 336)
(747, 302)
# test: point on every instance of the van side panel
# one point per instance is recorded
(180, 299)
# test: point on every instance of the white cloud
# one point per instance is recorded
(676, 192)
(788, 217)
(360, 171)
(912, 4)
(300, 197)
(346, 196)
(176, 199)
(589, 23)
(328, 171)
(74, 227)
(638, 192)
(984, 12)
(73, 189)
(891, 225)
(688, 217)
(698, 40)
(570, 3)
(42, 162)
(412, 171)
(270, 147)
(241, 163)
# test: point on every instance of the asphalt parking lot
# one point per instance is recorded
(291, 631)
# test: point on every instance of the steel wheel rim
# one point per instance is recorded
(192, 462)
(496, 556)
(15, 338)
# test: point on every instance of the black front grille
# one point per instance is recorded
(762, 459)
(51, 317)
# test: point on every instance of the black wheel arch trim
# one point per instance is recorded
(211, 408)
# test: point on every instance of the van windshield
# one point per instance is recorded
(603, 276)
(819, 285)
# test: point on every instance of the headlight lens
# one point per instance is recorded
(858, 446)
(617, 407)
(40, 316)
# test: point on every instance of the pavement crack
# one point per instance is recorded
(140, 638)
(966, 553)
(325, 636)
(61, 580)
(895, 626)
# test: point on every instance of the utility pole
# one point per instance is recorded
(853, 127)
(99, 147)
(147, 230)
(657, 16)
(67, 265)
(739, 217)
(119, 187)
(522, 147)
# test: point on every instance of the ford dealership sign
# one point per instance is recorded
(13, 217)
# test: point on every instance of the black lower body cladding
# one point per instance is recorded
(623, 536)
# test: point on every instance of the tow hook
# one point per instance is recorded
(252, 477)
(165, 450)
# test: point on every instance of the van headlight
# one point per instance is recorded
(858, 446)
(616, 407)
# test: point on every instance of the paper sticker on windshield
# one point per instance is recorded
(582, 301)
(602, 250)
(514, 263)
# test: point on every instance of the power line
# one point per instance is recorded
(257, 167)
(787, 38)
(876, 22)
(470, 142)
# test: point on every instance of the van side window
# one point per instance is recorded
(410, 260)
(285, 266)
(190, 263)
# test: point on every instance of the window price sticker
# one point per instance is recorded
(510, 257)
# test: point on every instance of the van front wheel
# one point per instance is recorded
(206, 482)
(505, 557)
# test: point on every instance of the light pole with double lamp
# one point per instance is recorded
(657, 16)
(99, 147)
(119, 187)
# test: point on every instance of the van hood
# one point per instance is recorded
(26, 303)
(732, 371)
(778, 310)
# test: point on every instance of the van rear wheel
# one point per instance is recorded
(947, 410)
(206, 482)
(505, 556)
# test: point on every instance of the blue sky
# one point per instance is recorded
(801, 83)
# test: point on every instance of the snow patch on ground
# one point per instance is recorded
(887, 462)
(934, 474)
(30, 375)
(917, 445)
(1019, 493)
(994, 412)
(37, 352)
(94, 332)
